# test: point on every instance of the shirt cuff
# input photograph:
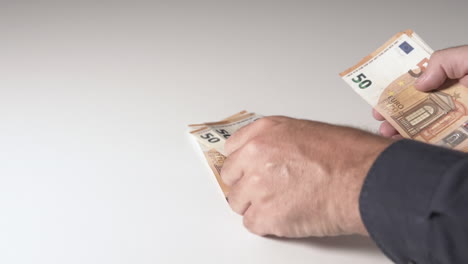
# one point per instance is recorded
(396, 195)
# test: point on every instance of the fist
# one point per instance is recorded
(299, 178)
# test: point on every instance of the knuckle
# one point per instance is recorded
(255, 146)
(256, 180)
(265, 122)
(226, 180)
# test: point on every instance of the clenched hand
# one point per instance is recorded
(299, 178)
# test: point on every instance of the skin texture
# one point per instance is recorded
(443, 65)
(299, 178)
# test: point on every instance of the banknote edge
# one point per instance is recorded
(408, 32)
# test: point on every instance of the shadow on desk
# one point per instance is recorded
(342, 243)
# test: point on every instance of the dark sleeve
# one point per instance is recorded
(414, 203)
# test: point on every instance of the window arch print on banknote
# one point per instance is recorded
(425, 112)
(422, 114)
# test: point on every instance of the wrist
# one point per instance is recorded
(353, 180)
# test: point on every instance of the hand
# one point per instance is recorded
(299, 178)
(444, 64)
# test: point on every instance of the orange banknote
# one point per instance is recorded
(211, 137)
(386, 80)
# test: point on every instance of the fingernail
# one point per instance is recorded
(421, 79)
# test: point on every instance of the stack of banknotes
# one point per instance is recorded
(212, 136)
(386, 80)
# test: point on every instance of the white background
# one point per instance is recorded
(96, 165)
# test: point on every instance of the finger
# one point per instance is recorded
(239, 197)
(233, 168)
(387, 130)
(243, 135)
(377, 115)
(464, 81)
(444, 64)
(252, 223)
(397, 137)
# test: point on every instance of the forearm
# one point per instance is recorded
(413, 202)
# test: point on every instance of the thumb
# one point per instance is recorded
(444, 64)
(432, 78)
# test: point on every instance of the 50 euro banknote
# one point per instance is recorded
(212, 136)
(386, 80)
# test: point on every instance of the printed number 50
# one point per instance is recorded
(361, 80)
(210, 137)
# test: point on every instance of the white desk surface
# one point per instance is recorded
(96, 165)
